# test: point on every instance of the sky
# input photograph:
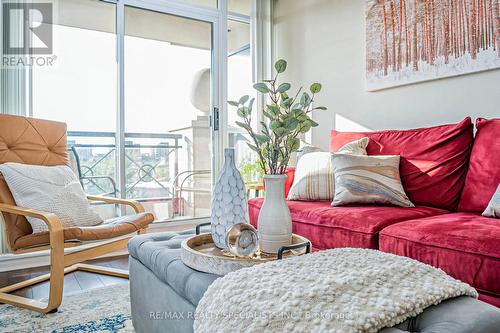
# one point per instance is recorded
(81, 88)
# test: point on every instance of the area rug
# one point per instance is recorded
(104, 309)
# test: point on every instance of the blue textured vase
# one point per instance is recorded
(229, 202)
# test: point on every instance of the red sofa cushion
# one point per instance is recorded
(483, 176)
(434, 160)
(464, 245)
(354, 226)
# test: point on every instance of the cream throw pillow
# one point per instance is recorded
(53, 189)
(368, 180)
(314, 179)
(493, 209)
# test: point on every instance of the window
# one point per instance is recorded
(151, 72)
(81, 90)
(240, 6)
(167, 103)
(205, 3)
(240, 84)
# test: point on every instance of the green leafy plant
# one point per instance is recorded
(286, 118)
(251, 171)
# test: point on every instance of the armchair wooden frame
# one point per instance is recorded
(61, 263)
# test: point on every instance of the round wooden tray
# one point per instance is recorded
(200, 253)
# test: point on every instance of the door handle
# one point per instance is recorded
(215, 119)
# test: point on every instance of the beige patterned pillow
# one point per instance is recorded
(493, 209)
(53, 189)
(368, 180)
(313, 178)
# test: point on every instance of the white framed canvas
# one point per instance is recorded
(409, 41)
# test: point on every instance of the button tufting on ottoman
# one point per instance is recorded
(164, 294)
(161, 254)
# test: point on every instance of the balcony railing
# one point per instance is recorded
(157, 169)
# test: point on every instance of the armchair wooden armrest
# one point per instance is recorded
(56, 276)
(138, 208)
(51, 219)
(56, 232)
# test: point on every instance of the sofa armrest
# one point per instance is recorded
(138, 208)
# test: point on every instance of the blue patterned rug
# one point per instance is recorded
(104, 309)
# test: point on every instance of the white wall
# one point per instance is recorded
(324, 41)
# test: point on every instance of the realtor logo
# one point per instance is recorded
(27, 28)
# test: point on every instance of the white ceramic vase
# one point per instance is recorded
(275, 222)
(229, 202)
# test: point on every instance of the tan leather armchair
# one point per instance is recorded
(43, 142)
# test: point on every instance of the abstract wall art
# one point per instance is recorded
(409, 41)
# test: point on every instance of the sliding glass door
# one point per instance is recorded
(167, 107)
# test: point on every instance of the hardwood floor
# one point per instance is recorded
(73, 282)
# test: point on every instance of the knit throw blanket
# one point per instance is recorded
(341, 290)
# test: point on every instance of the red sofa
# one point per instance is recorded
(449, 175)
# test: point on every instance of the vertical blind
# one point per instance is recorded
(13, 79)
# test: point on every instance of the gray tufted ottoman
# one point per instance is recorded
(164, 294)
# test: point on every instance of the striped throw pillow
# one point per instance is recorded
(368, 180)
(313, 180)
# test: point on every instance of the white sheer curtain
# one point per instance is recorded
(13, 80)
(13, 93)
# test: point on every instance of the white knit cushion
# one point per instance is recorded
(314, 179)
(53, 189)
(493, 209)
(368, 180)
